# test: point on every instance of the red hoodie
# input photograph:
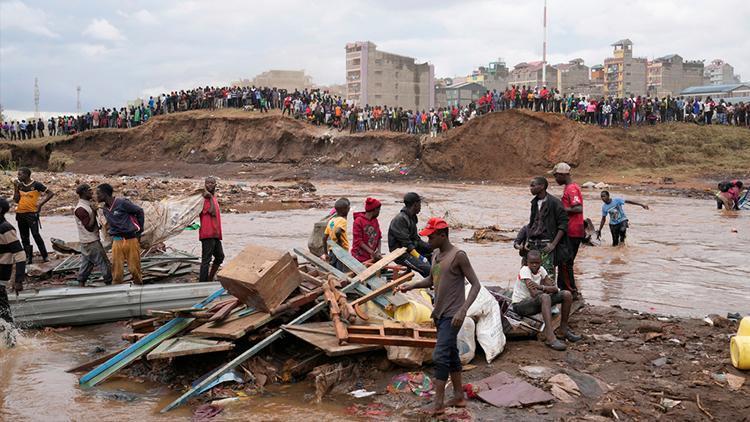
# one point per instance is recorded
(365, 231)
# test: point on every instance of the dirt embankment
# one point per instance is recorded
(495, 147)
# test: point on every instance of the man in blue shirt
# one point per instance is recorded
(618, 221)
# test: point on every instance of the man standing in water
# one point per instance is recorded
(572, 201)
(210, 233)
(26, 194)
(618, 221)
(450, 269)
(547, 225)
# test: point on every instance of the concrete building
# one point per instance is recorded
(729, 92)
(670, 74)
(624, 75)
(494, 76)
(573, 77)
(597, 80)
(720, 73)
(459, 94)
(281, 79)
(378, 78)
(530, 74)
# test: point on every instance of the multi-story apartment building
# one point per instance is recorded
(530, 75)
(624, 75)
(375, 77)
(719, 73)
(670, 74)
(572, 77)
(281, 79)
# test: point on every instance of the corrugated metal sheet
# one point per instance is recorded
(92, 305)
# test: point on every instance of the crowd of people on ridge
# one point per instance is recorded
(322, 108)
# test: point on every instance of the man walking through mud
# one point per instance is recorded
(572, 201)
(92, 251)
(450, 269)
(402, 233)
(125, 220)
(26, 194)
(548, 224)
(210, 232)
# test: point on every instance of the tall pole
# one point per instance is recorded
(544, 47)
(36, 98)
(78, 99)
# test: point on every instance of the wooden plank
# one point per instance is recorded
(143, 346)
(225, 310)
(322, 336)
(214, 375)
(388, 287)
(371, 271)
(184, 346)
(392, 335)
(235, 327)
(374, 282)
(93, 363)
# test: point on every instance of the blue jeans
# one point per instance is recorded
(445, 355)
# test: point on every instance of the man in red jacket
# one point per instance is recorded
(210, 233)
(572, 201)
(367, 234)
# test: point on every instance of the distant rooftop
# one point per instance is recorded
(623, 42)
(707, 89)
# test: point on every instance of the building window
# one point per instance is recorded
(379, 61)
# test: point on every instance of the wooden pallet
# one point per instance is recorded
(392, 335)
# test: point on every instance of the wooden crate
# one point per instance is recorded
(261, 277)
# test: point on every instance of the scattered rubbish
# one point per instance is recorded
(361, 393)
(607, 337)
(537, 372)
(206, 412)
(675, 341)
(372, 411)
(651, 336)
(601, 185)
(491, 234)
(668, 404)
(417, 383)
(590, 387)
(659, 362)
(735, 382)
(565, 383)
(504, 390)
(561, 394)
(326, 377)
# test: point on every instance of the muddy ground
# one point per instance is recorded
(630, 366)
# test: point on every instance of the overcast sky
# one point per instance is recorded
(119, 50)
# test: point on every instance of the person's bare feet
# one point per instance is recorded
(456, 402)
(433, 410)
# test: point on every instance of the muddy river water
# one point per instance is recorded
(682, 257)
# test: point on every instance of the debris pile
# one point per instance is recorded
(237, 197)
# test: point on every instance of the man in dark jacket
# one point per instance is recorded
(403, 233)
(125, 221)
(548, 226)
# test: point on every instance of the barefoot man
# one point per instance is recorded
(450, 267)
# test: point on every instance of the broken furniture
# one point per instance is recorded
(261, 277)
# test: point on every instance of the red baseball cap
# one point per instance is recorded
(433, 224)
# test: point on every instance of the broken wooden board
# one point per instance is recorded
(261, 277)
(375, 282)
(322, 336)
(234, 327)
(184, 346)
(504, 390)
(94, 363)
(376, 267)
(392, 335)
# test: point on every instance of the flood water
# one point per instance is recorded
(682, 257)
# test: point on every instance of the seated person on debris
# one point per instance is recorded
(336, 230)
(536, 292)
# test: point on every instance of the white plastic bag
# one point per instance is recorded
(467, 345)
(489, 324)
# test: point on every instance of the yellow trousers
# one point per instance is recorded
(126, 251)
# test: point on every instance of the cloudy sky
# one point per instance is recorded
(119, 50)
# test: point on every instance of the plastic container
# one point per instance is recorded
(744, 330)
(739, 348)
